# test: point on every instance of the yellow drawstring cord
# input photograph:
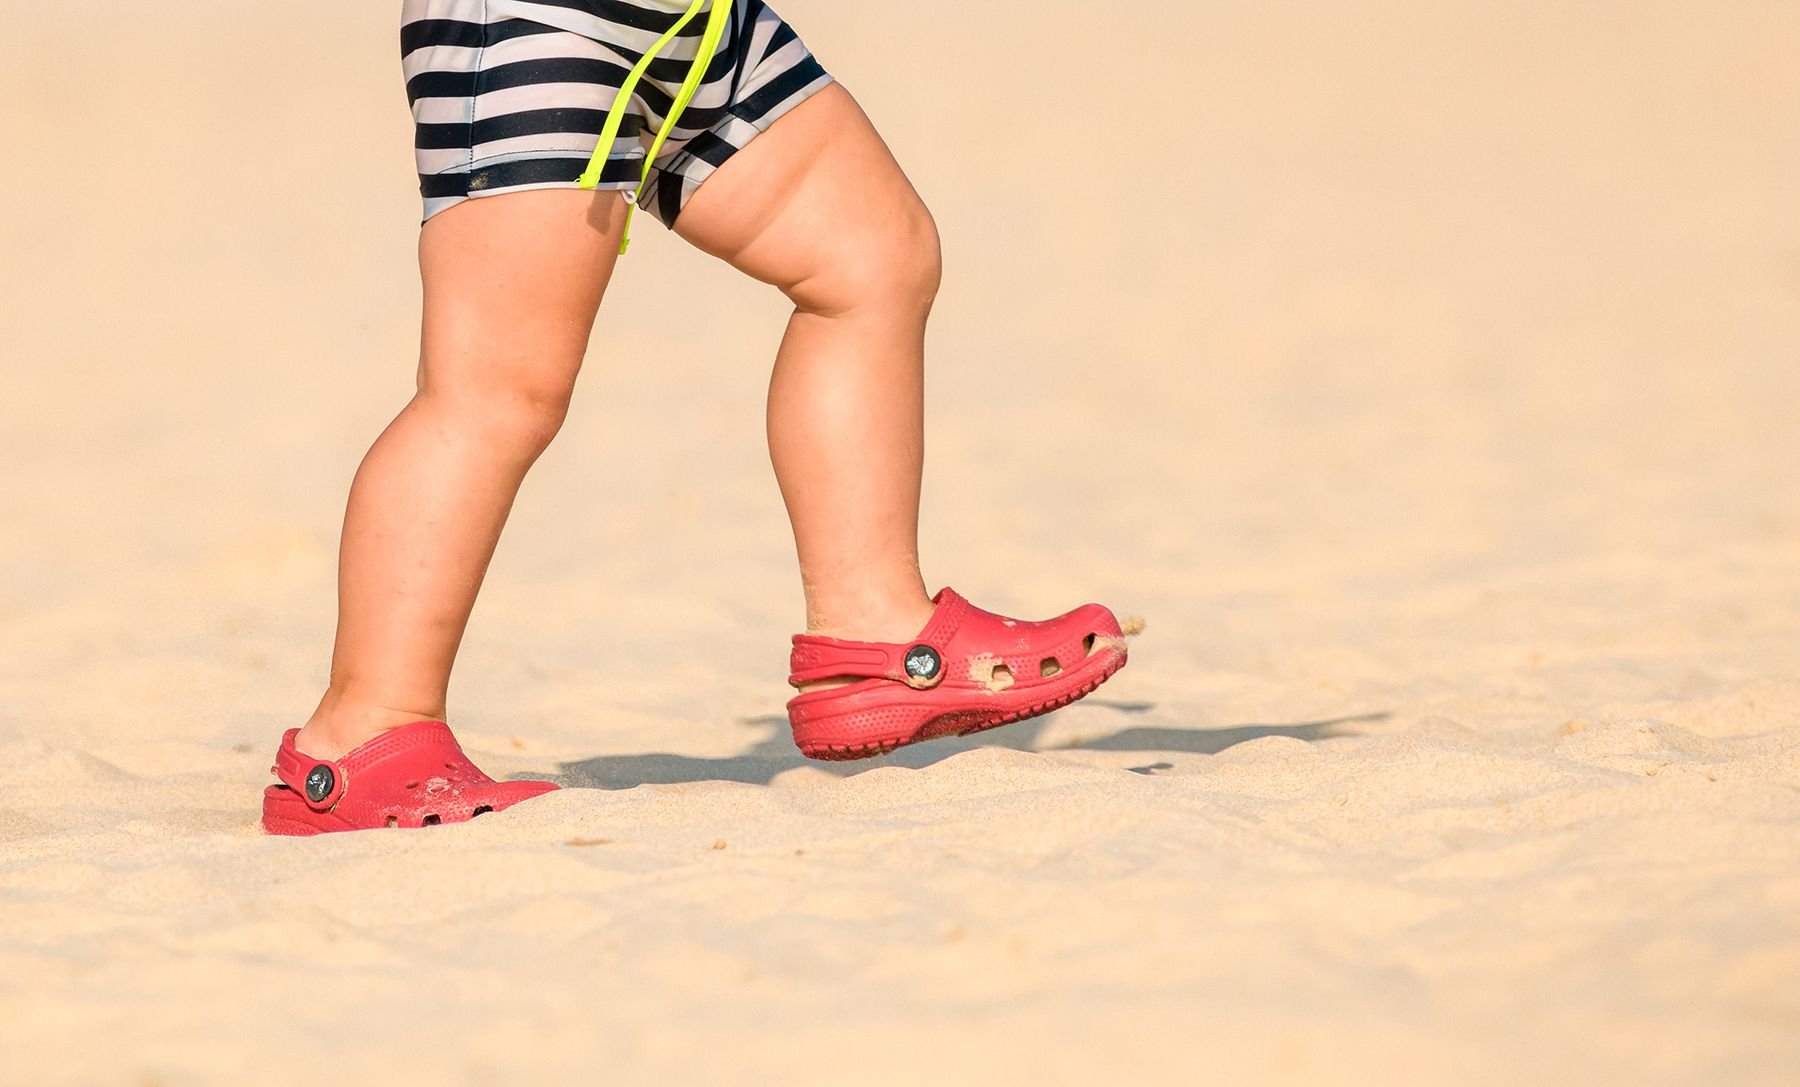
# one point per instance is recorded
(609, 133)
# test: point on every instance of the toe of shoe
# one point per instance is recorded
(1095, 619)
(507, 793)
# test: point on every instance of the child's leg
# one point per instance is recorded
(511, 286)
(818, 207)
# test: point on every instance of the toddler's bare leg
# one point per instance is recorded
(511, 286)
(818, 207)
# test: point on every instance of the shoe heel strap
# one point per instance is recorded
(916, 664)
(319, 782)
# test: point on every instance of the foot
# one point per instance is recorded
(413, 776)
(890, 623)
(965, 670)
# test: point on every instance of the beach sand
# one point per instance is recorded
(1426, 374)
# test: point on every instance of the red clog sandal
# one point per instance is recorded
(412, 776)
(967, 671)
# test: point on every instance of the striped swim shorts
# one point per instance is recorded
(509, 95)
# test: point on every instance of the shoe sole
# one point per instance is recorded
(961, 722)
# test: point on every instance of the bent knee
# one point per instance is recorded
(893, 263)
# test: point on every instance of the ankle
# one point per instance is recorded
(884, 621)
(342, 724)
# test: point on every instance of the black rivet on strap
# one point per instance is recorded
(319, 783)
(923, 663)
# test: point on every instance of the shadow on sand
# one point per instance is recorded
(775, 753)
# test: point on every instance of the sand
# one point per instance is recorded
(1425, 373)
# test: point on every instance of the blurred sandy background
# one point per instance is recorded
(1426, 373)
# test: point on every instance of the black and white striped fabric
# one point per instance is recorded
(510, 94)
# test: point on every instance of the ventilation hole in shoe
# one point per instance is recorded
(990, 672)
(412, 785)
(1048, 667)
(431, 821)
(483, 810)
(1087, 645)
(393, 821)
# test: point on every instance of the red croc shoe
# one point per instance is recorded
(412, 776)
(968, 670)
